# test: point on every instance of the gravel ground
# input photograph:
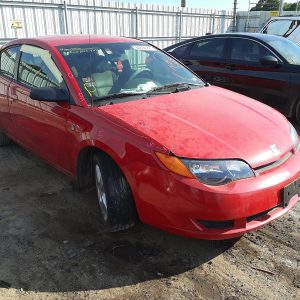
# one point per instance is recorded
(52, 246)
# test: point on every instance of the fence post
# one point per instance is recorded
(95, 17)
(180, 26)
(66, 17)
(136, 22)
(234, 16)
(214, 22)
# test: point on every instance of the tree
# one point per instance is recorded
(290, 6)
(266, 5)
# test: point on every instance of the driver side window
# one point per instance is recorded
(247, 50)
(37, 69)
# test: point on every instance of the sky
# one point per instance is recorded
(217, 4)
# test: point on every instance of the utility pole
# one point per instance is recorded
(234, 29)
(281, 2)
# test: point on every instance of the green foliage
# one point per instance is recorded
(268, 5)
(290, 6)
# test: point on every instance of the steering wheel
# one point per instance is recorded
(141, 73)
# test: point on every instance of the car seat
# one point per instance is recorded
(102, 77)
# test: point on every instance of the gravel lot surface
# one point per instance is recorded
(52, 246)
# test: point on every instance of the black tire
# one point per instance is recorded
(119, 212)
(4, 140)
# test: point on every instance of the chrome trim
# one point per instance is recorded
(273, 164)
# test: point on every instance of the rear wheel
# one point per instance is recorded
(117, 207)
(4, 140)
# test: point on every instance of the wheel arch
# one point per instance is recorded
(84, 175)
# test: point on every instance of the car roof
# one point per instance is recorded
(286, 18)
(65, 39)
(257, 36)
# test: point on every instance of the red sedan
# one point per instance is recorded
(158, 143)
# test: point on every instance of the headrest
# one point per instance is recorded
(100, 65)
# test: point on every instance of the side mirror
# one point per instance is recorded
(270, 61)
(49, 94)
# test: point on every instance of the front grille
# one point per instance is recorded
(273, 165)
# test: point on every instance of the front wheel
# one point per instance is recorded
(117, 207)
(4, 139)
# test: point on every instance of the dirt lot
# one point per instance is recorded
(52, 247)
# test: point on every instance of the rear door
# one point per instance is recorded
(269, 84)
(39, 125)
(207, 58)
(7, 70)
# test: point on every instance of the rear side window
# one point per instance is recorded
(37, 69)
(8, 61)
(180, 51)
(209, 48)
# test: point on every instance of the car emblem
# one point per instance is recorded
(275, 150)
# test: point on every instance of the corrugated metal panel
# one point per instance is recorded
(159, 24)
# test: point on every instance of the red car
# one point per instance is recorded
(158, 143)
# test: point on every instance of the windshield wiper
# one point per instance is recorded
(179, 87)
(116, 96)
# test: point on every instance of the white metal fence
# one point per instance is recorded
(159, 24)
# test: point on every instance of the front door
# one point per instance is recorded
(268, 84)
(39, 125)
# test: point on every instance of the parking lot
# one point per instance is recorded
(52, 247)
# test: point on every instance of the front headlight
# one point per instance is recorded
(294, 137)
(218, 172)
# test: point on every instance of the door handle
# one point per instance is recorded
(13, 94)
(187, 62)
(14, 97)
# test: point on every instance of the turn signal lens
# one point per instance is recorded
(174, 164)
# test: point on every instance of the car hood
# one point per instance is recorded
(208, 123)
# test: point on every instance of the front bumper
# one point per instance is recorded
(187, 207)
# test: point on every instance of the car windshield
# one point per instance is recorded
(280, 27)
(105, 71)
(289, 50)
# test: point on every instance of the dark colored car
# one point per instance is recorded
(264, 67)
